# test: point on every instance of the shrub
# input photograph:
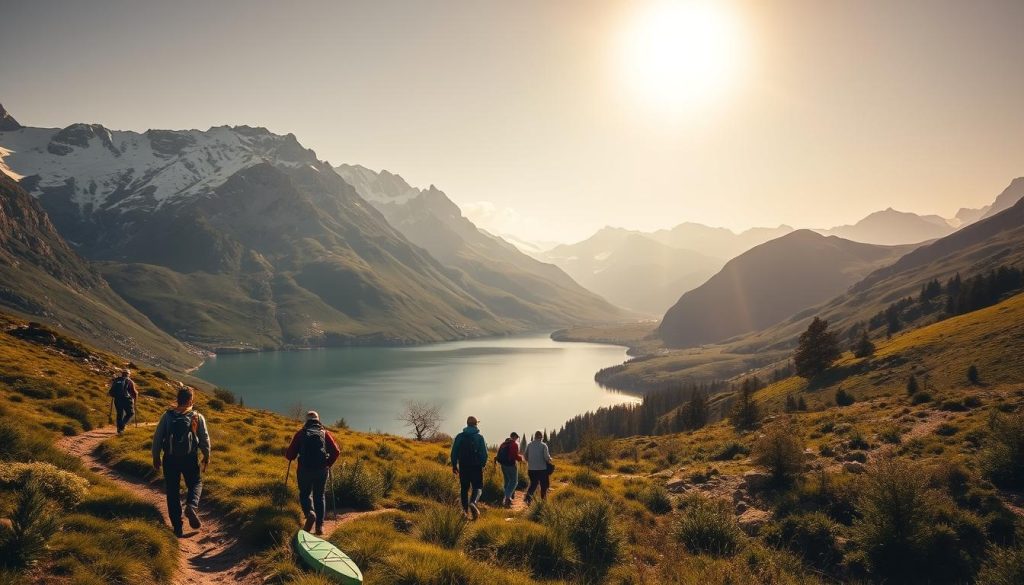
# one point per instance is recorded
(523, 545)
(1004, 567)
(654, 497)
(920, 398)
(729, 451)
(813, 536)
(356, 486)
(443, 526)
(946, 429)
(890, 433)
(1002, 459)
(781, 451)
(224, 395)
(972, 375)
(215, 404)
(341, 423)
(707, 526)
(594, 451)
(844, 398)
(433, 483)
(586, 478)
(32, 522)
(588, 525)
(73, 409)
(912, 385)
(63, 486)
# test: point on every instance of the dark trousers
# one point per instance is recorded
(470, 477)
(312, 487)
(173, 473)
(125, 412)
(541, 478)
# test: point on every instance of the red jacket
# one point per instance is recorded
(513, 450)
(332, 448)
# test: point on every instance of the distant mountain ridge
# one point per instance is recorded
(769, 283)
(514, 284)
(892, 228)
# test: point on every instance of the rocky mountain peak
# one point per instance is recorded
(7, 121)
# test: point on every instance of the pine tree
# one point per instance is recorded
(843, 398)
(972, 375)
(801, 404)
(744, 410)
(912, 385)
(818, 349)
(864, 347)
(791, 405)
(698, 410)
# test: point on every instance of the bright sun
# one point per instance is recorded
(679, 52)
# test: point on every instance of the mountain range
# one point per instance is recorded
(237, 238)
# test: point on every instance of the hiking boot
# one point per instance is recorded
(528, 500)
(319, 530)
(474, 512)
(310, 521)
(120, 432)
(193, 518)
(507, 502)
(179, 532)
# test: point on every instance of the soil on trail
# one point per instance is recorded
(210, 555)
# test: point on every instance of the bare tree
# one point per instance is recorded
(423, 419)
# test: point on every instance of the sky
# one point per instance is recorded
(548, 120)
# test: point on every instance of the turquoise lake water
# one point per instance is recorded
(521, 383)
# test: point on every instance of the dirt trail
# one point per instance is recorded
(210, 555)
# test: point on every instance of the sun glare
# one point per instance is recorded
(679, 52)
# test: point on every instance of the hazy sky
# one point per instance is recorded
(527, 113)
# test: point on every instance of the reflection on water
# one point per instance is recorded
(521, 383)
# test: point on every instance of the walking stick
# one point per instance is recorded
(334, 503)
(286, 473)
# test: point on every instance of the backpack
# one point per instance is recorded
(469, 451)
(181, 442)
(119, 389)
(313, 447)
(503, 457)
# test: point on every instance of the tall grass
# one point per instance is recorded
(707, 526)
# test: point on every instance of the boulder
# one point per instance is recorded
(752, 519)
(756, 480)
(854, 467)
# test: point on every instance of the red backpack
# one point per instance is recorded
(503, 457)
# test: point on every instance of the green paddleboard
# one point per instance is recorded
(325, 558)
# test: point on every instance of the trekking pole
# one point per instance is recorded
(334, 503)
(286, 473)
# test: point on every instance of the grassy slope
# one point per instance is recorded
(110, 537)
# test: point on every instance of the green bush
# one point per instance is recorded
(588, 525)
(32, 522)
(443, 526)
(62, 486)
(707, 526)
(224, 395)
(920, 398)
(729, 451)
(73, 409)
(1002, 459)
(356, 486)
(1004, 567)
(594, 451)
(780, 450)
(433, 483)
(654, 497)
(812, 536)
(523, 546)
(586, 478)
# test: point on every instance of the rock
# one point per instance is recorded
(752, 519)
(854, 467)
(677, 485)
(756, 480)
(741, 507)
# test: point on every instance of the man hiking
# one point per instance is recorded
(469, 456)
(123, 393)
(181, 435)
(508, 456)
(538, 466)
(317, 451)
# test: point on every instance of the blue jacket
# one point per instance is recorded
(469, 434)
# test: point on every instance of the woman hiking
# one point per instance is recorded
(317, 451)
(538, 466)
(508, 456)
(181, 436)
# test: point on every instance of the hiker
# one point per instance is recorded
(123, 393)
(181, 435)
(508, 456)
(317, 451)
(538, 466)
(469, 456)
